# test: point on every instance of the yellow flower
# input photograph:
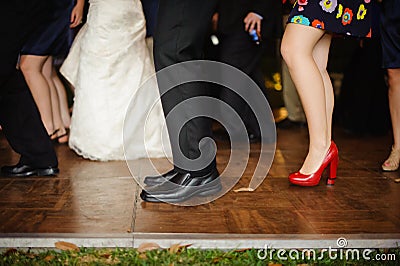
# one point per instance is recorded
(278, 87)
(361, 12)
(340, 11)
(269, 84)
(277, 77)
(275, 83)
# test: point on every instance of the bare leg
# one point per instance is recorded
(394, 104)
(62, 97)
(31, 66)
(305, 50)
(320, 54)
(392, 163)
(55, 104)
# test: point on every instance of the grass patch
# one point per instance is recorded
(183, 256)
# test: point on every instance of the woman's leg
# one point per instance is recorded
(305, 50)
(394, 104)
(31, 66)
(320, 54)
(62, 97)
(392, 163)
(55, 104)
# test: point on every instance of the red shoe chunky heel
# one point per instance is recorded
(331, 159)
(332, 171)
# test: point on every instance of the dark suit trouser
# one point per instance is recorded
(19, 116)
(182, 27)
(238, 50)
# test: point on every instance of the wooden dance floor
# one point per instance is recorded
(98, 204)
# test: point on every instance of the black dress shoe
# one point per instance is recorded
(159, 179)
(23, 170)
(182, 187)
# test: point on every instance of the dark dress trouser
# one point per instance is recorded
(238, 50)
(19, 116)
(182, 27)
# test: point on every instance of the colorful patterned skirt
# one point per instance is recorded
(351, 18)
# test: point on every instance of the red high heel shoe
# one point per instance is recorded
(331, 158)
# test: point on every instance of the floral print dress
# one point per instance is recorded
(347, 17)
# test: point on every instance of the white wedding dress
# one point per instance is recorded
(107, 64)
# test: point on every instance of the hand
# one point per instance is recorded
(214, 22)
(252, 21)
(76, 16)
